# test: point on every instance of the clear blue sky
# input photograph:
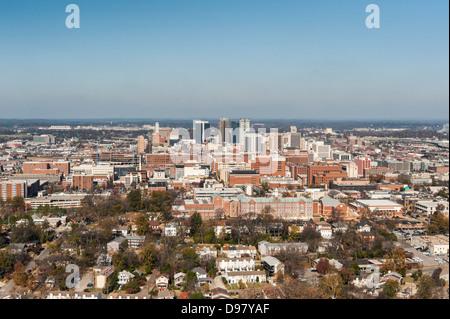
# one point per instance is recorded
(295, 59)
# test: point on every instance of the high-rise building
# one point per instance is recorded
(244, 126)
(224, 124)
(296, 140)
(234, 137)
(142, 144)
(363, 162)
(199, 130)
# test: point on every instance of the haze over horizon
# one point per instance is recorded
(189, 59)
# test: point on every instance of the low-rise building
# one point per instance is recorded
(272, 265)
(271, 249)
(437, 244)
(235, 264)
(238, 251)
(233, 277)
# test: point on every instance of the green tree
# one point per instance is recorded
(190, 281)
(425, 287)
(149, 255)
(134, 198)
(6, 262)
(142, 226)
(196, 223)
(390, 289)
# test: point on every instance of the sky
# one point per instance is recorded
(184, 59)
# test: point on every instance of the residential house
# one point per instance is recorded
(104, 260)
(206, 251)
(202, 275)
(219, 293)
(324, 229)
(114, 245)
(178, 279)
(135, 241)
(124, 277)
(162, 281)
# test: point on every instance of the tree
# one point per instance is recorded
(196, 223)
(20, 277)
(311, 237)
(190, 258)
(436, 277)
(197, 295)
(148, 256)
(355, 268)
(390, 289)
(332, 285)
(395, 261)
(438, 223)
(6, 262)
(425, 287)
(142, 226)
(190, 281)
(134, 198)
(323, 266)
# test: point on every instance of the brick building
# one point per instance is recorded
(244, 177)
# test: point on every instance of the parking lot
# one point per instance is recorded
(423, 257)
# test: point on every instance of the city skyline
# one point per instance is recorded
(202, 60)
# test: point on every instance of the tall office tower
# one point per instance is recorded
(142, 144)
(157, 127)
(293, 129)
(234, 136)
(199, 128)
(224, 123)
(296, 140)
(362, 162)
(244, 126)
(254, 143)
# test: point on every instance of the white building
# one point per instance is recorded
(270, 249)
(195, 171)
(233, 277)
(429, 207)
(272, 265)
(235, 264)
(238, 251)
(124, 276)
(437, 244)
(171, 230)
(325, 230)
(205, 252)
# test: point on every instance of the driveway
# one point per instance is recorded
(85, 279)
(218, 283)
